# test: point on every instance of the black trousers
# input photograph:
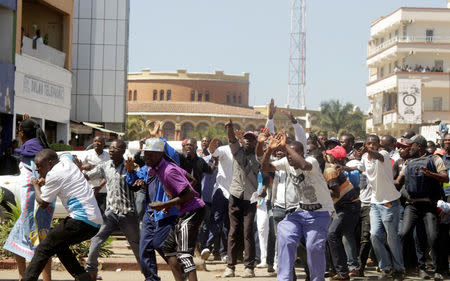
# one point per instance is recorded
(427, 213)
(66, 233)
(366, 245)
(242, 215)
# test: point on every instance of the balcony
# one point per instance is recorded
(408, 39)
(43, 52)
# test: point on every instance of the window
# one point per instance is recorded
(169, 94)
(130, 95)
(207, 96)
(135, 95)
(429, 35)
(168, 131)
(187, 130)
(200, 96)
(438, 65)
(192, 95)
(437, 103)
(404, 32)
(234, 98)
(161, 95)
(228, 98)
(240, 99)
(382, 72)
(155, 94)
(390, 68)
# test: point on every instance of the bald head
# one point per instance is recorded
(45, 160)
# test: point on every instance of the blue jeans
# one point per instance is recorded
(313, 226)
(384, 220)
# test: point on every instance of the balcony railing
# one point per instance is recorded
(43, 52)
(408, 39)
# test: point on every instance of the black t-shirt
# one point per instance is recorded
(196, 167)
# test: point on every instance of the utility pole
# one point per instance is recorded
(297, 55)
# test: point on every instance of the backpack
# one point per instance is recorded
(416, 183)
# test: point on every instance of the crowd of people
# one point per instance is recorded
(267, 199)
(418, 68)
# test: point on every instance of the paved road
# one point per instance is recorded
(214, 273)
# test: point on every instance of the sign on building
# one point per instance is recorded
(409, 101)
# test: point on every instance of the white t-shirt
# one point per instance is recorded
(380, 178)
(281, 188)
(365, 193)
(225, 169)
(94, 159)
(311, 185)
(67, 182)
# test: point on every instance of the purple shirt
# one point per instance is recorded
(174, 181)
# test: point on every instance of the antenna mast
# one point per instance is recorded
(297, 55)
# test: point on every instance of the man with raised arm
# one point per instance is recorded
(313, 214)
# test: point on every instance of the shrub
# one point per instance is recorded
(61, 147)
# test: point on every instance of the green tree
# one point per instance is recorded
(136, 128)
(212, 132)
(336, 119)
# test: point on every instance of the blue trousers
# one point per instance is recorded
(219, 222)
(153, 235)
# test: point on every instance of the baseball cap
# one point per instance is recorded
(338, 152)
(358, 143)
(402, 144)
(154, 144)
(249, 134)
(417, 139)
(440, 152)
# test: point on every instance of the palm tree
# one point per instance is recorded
(212, 132)
(136, 128)
(336, 119)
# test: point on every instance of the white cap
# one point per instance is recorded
(153, 144)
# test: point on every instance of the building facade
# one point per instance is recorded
(409, 70)
(100, 59)
(43, 60)
(188, 102)
(7, 58)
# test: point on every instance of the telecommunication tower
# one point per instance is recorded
(297, 55)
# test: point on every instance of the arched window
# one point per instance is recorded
(155, 94)
(234, 98)
(239, 99)
(236, 127)
(135, 95)
(200, 96)
(169, 94)
(228, 98)
(250, 128)
(161, 95)
(187, 130)
(207, 96)
(168, 131)
(202, 127)
(130, 95)
(220, 126)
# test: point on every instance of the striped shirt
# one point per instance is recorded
(119, 195)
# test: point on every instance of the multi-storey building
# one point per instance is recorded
(7, 56)
(409, 70)
(100, 59)
(185, 102)
(43, 60)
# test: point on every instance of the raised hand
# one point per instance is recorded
(229, 124)
(155, 132)
(239, 134)
(25, 116)
(282, 137)
(289, 115)
(129, 164)
(272, 108)
(140, 183)
(213, 145)
(274, 142)
(263, 135)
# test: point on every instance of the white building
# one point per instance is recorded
(43, 78)
(409, 70)
(100, 59)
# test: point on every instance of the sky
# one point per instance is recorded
(252, 36)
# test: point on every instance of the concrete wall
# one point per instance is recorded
(6, 32)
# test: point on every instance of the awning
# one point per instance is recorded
(101, 129)
(80, 129)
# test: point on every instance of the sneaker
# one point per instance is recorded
(248, 273)
(385, 275)
(270, 269)
(398, 275)
(423, 275)
(205, 254)
(261, 265)
(438, 277)
(85, 277)
(228, 272)
(224, 259)
(340, 276)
